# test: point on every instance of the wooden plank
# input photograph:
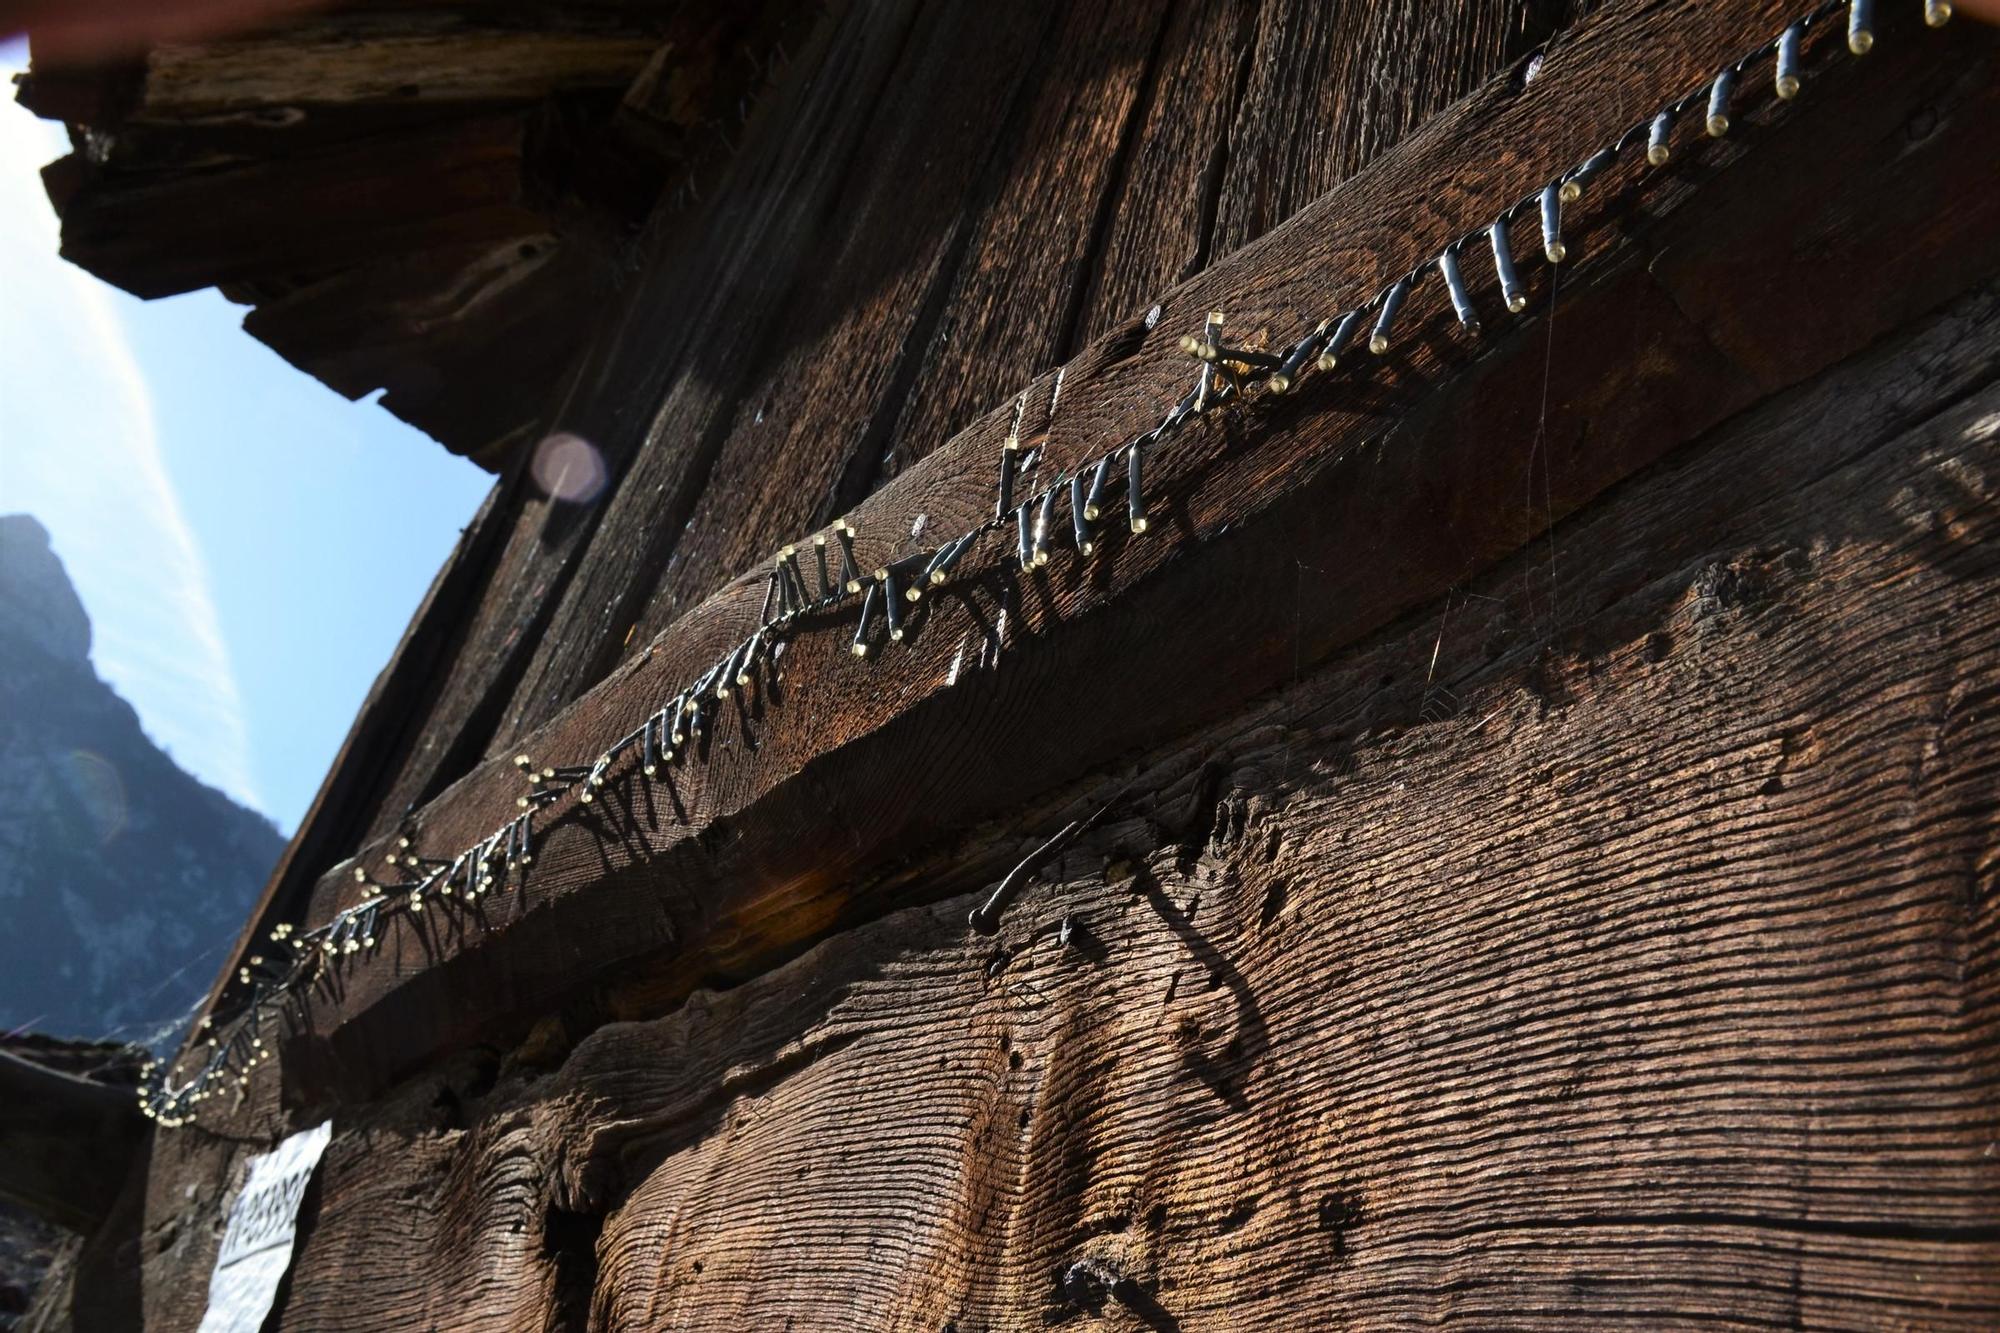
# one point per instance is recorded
(1515, 1023)
(1522, 1024)
(1011, 299)
(772, 196)
(774, 833)
(790, 356)
(1261, 109)
(356, 330)
(906, 366)
(1416, 990)
(456, 183)
(409, 59)
(1331, 87)
(1159, 228)
(466, 344)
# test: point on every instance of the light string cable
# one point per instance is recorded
(220, 1056)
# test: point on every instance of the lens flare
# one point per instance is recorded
(569, 467)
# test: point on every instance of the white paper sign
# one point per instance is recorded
(257, 1243)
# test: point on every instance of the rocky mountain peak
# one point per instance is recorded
(122, 878)
(37, 602)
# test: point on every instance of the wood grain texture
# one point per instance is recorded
(1331, 87)
(771, 833)
(1043, 166)
(488, 638)
(770, 199)
(411, 59)
(794, 351)
(755, 493)
(1043, 181)
(1415, 992)
(1550, 874)
(1009, 311)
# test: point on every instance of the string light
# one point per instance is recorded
(948, 557)
(1303, 350)
(1785, 73)
(1093, 500)
(826, 584)
(1079, 521)
(850, 572)
(1658, 149)
(1511, 290)
(1392, 305)
(892, 605)
(1553, 248)
(1454, 281)
(1135, 500)
(860, 645)
(1594, 166)
(1044, 520)
(1336, 343)
(1718, 103)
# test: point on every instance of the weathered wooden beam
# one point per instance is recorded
(448, 184)
(1364, 499)
(465, 343)
(411, 59)
(786, 365)
(773, 833)
(430, 716)
(359, 330)
(67, 1143)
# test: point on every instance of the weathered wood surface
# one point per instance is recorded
(1066, 181)
(352, 170)
(711, 327)
(1418, 991)
(1422, 991)
(432, 713)
(773, 835)
(709, 331)
(434, 187)
(1609, 941)
(439, 56)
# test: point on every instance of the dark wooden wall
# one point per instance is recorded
(936, 204)
(1604, 933)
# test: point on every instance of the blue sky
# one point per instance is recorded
(249, 544)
